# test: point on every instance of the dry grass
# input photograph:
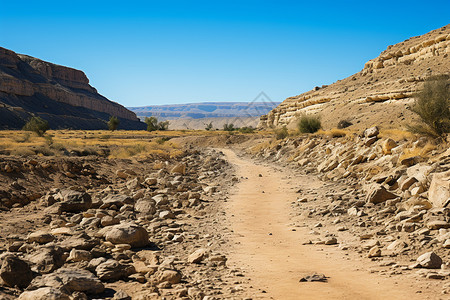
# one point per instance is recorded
(334, 133)
(418, 151)
(397, 134)
(120, 144)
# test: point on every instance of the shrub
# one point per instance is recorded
(432, 105)
(247, 129)
(113, 123)
(309, 124)
(209, 127)
(153, 125)
(229, 127)
(281, 133)
(37, 125)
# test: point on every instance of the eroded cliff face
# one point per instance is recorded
(378, 94)
(25, 79)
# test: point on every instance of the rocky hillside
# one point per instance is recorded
(378, 94)
(61, 95)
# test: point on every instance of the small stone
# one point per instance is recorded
(429, 260)
(314, 277)
(197, 256)
(374, 252)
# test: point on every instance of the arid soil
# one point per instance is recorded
(210, 224)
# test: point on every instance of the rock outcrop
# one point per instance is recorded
(380, 93)
(61, 95)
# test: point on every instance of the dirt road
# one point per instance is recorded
(269, 247)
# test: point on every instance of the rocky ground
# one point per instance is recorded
(87, 228)
(158, 228)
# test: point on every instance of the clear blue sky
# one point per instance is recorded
(158, 52)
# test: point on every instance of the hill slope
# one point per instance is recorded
(379, 94)
(61, 95)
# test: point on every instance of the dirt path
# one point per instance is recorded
(268, 247)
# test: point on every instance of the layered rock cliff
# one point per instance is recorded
(62, 95)
(378, 94)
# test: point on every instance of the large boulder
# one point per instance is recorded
(379, 194)
(112, 270)
(72, 280)
(439, 191)
(128, 233)
(44, 293)
(73, 201)
(429, 260)
(46, 259)
(15, 272)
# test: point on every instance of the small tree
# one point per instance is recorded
(152, 123)
(228, 127)
(308, 124)
(37, 125)
(432, 105)
(113, 123)
(209, 126)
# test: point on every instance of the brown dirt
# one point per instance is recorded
(268, 245)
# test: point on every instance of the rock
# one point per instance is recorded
(171, 276)
(388, 145)
(117, 200)
(145, 206)
(437, 224)
(79, 255)
(371, 132)
(73, 201)
(439, 191)
(446, 244)
(429, 260)
(133, 184)
(197, 256)
(150, 181)
(407, 183)
(396, 246)
(410, 161)
(166, 214)
(374, 252)
(46, 259)
(314, 277)
(45, 293)
(125, 173)
(370, 141)
(15, 272)
(379, 194)
(331, 241)
(128, 233)
(112, 270)
(179, 169)
(74, 280)
(40, 237)
(108, 221)
(121, 295)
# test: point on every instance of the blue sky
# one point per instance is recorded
(162, 52)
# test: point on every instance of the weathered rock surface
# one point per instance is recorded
(15, 272)
(128, 233)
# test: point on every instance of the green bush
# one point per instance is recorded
(153, 125)
(113, 123)
(37, 125)
(281, 133)
(209, 127)
(308, 124)
(249, 129)
(229, 127)
(432, 105)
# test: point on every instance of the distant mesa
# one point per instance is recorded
(61, 95)
(379, 93)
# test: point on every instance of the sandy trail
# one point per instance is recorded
(272, 254)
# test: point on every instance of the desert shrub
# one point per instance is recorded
(22, 139)
(246, 129)
(153, 124)
(281, 133)
(162, 140)
(37, 125)
(113, 123)
(432, 105)
(209, 127)
(229, 127)
(308, 124)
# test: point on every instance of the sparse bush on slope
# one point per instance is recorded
(308, 124)
(432, 105)
(113, 123)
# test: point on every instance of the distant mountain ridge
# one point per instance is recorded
(205, 110)
(61, 95)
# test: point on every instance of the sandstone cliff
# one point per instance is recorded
(62, 95)
(378, 94)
